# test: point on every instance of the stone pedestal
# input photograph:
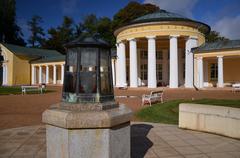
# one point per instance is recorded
(74, 132)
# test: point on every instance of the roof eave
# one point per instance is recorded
(190, 22)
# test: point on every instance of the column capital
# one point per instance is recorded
(132, 39)
(199, 58)
(220, 56)
(151, 37)
(121, 42)
(193, 37)
(174, 36)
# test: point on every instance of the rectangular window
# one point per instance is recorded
(144, 70)
(144, 54)
(159, 72)
(214, 71)
(159, 55)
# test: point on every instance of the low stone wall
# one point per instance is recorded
(209, 118)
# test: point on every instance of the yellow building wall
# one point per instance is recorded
(231, 70)
(21, 71)
(9, 58)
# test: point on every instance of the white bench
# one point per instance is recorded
(154, 96)
(32, 88)
(236, 87)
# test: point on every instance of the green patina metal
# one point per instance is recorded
(165, 16)
(220, 45)
(88, 71)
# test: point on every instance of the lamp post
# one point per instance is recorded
(88, 122)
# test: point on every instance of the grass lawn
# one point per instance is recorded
(17, 90)
(168, 112)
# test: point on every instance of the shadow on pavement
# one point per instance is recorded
(139, 141)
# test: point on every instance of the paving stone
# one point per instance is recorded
(196, 156)
(206, 148)
(147, 140)
(195, 141)
(170, 138)
(220, 155)
(235, 154)
(26, 151)
(187, 150)
(164, 152)
(177, 143)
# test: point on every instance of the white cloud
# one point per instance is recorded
(228, 27)
(69, 6)
(183, 7)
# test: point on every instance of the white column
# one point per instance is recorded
(33, 75)
(47, 74)
(113, 71)
(40, 74)
(173, 61)
(117, 67)
(62, 73)
(200, 72)
(122, 65)
(220, 71)
(190, 43)
(152, 75)
(4, 82)
(54, 74)
(133, 63)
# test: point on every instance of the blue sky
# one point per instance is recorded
(222, 15)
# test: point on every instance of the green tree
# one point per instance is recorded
(105, 30)
(10, 32)
(92, 25)
(60, 35)
(132, 11)
(214, 36)
(37, 33)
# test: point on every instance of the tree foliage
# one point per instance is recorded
(93, 25)
(214, 36)
(132, 11)
(60, 35)
(37, 33)
(10, 32)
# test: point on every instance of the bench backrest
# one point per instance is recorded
(237, 85)
(29, 86)
(156, 93)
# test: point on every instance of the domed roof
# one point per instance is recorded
(161, 15)
(165, 16)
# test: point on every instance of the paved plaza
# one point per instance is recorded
(23, 135)
(148, 140)
(26, 110)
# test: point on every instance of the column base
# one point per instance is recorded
(77, 134)
(188, 86)
(173, 86)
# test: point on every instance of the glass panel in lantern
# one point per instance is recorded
(104, 71)
(87, 82)
(71, 72)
